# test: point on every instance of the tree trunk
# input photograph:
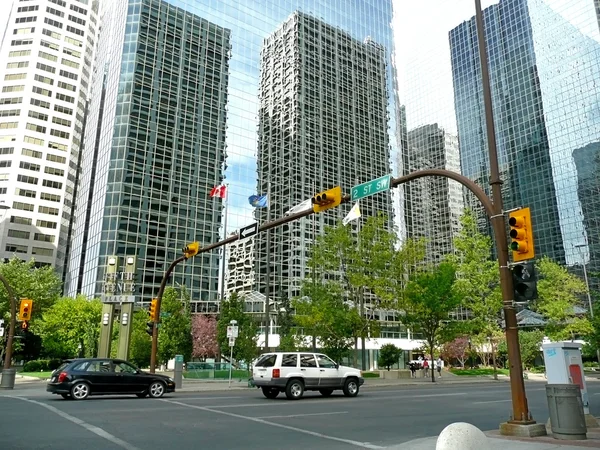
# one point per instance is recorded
(355, 351)
(494, 362)
(431, 364)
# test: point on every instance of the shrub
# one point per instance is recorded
(54, 364)
(32, 366)
(370, 375)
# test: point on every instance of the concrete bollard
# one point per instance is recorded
(463, 436)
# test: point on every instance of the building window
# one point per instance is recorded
(19, 53)
(36, 128)
(77, 31)
(48, 210)
(7, 125)
(5, 163)
(25, 30)
(43, 237)
(78, 9)
(20, 220)
(17, 88)
(45, 224)
(18, 65)
(68, 62)
(31, 153)
(27, 179)
(52, 184)
(52, 34)
(53, 23)
(70, 75)
(25, 19)
(50, 45)
(25, 193)
(59, 2)
(18, 234)
(7, 150)
(67, 86)
(57, 146)
(72, 52)
(11, 101)
(63, 109)
(15, 42)
(48, 56)
(54, 171)
(60, 134)
(38, 115)
(27, 8)
(40, 103)
(43, 79)
(50, 197)
(29, 166)
(22, 206)
(72, 41)
(14, 248)
(41, 91)
(10, 113)
(32, 140)
(15, 76)
(56, 158)
(42, 251)
(66, 98)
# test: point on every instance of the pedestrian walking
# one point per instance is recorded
(426, 367)
(439, 366)
(413, 369)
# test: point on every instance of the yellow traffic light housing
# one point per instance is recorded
(152, 311)
(327, 199)
(521, 234)
(25, 309)
(191, 249)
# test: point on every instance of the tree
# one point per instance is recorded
(457, 349)
(559, 292)
(174, 332)
(140, 346)
(388, 355)
(429, 299)
(69, 323)
(530, 343)
(204, 337)
(245, 348)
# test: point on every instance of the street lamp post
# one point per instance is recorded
(587, 289)
(8, 374)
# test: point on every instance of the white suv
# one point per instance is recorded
(296, 372)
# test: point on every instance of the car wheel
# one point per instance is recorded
(326, 392)
(294, 389)
(66, 396)
(351, 387)
(156, 389)
(270, 392)
(141, 395)
(80, 391)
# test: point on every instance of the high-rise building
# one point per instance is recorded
(239, 276)
(524, 150)
(322, 122)
(154, 148)
(45, 67)
(433, 205)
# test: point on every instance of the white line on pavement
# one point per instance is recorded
(303, 415)
(279, 425)
(491, 401)
(210, 398)
(94, 429)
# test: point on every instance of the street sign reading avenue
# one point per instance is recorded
(371, 187)
(249, 230)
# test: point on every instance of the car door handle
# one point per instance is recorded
(303, 369)
(322, 370)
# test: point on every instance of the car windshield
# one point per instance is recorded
(266, 361)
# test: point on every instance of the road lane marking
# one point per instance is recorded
(303, 415)
(209, 398)
(279, 425)
(491, 401)
(94, 429)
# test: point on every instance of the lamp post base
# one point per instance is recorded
(8, 379)
(523, 429)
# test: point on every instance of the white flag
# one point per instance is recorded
(352, 215)
(306, 204)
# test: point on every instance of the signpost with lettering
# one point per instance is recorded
(380, 184)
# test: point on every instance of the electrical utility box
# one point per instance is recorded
(564, 366)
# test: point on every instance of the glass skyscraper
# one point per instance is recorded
(158, 145)
(155, 146)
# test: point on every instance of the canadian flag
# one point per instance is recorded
(219, 191)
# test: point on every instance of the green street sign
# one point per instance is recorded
(165, 314)
(371, 187)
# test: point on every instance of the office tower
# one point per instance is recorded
(154, 148)
(433, 205)
(322, 122)
(46, 62)
(524, 150)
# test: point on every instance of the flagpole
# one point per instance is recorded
(224, 247)
(268, 272)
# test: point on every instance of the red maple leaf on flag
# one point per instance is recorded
(219, 191)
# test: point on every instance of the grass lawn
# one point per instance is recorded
(478, 372)
(45, 374)
(218, 374)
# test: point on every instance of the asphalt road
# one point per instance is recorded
(244, 419)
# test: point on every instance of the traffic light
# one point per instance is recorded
(25, 326)
(25, 309)
(152, 311)
(521, 233)
(149, 327)
(524, 282)
(327, 199)
(191, 249)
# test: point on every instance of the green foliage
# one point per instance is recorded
(370, 374)
(530, 343)
(389, 355)
(140, 343)
(477, 372)
(558, 293)
(68, 323)
(478, 280)
(43, 286)
(430, 297)
(40, 365)
(245, 348)
(32, 366)
(174, 332)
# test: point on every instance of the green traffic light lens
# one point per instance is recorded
(514, 246)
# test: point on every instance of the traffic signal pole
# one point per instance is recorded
(8, 375)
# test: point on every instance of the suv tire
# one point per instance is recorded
(270, 392)
(351, 387)
(294, 389)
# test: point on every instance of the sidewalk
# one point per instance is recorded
(496, 441)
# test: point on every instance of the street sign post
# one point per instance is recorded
(371, 187)
(248, 230)
(232, 331)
